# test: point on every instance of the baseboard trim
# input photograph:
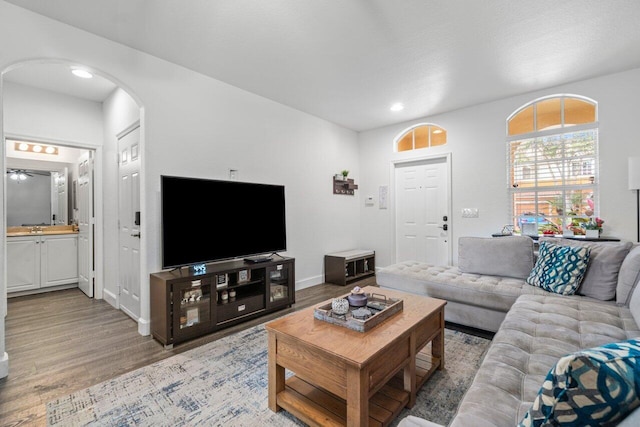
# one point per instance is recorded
(308, 282)
(4, 365)
(110, 297)
(144, 327)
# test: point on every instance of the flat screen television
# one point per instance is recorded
(207, 220)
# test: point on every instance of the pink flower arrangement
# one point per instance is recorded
(594, 224)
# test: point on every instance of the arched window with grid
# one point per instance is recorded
(552, 149)
(423, 135)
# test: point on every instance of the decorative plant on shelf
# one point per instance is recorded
(594, 224)
(344, 174)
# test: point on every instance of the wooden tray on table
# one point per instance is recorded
(380, 306)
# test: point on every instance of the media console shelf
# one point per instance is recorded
(350, 266)
(185, 305)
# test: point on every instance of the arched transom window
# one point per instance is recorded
(421, 136)
(552, 148)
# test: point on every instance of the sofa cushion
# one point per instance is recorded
(509, 256)
(536, 332)
(628, 276)
(449, 283)
(597, 386)
(601, 278)
(559, 269)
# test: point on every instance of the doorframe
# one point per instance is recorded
(121, 134)
(97, 200)
(395, 164)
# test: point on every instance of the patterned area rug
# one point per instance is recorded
(224, 383)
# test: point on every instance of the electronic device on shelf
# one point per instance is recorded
(193, 232)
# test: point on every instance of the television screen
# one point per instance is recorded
(205, 220)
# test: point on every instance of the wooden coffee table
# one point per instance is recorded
(345, 377)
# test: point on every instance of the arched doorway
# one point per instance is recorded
(94, 130)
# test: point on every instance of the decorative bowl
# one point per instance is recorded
(340, 306)
(357, 300)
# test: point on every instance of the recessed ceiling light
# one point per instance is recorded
(50, 150)
(81, 73)
(37, 148)
(398, 106)
(23, 146)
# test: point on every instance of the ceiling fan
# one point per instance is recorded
(22, 174)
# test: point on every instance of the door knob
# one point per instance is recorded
(136, 234)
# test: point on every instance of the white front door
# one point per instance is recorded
(422, 211)
(129, 230)
(84, 215)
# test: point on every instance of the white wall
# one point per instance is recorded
(476, 141)
(120, 112)
(50, 116)
(197, 126)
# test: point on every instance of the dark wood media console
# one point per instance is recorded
(185, 305)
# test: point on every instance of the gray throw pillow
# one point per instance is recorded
(509, 256)
(601, 279)
(629, 276)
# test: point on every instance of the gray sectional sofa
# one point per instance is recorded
(534, 328)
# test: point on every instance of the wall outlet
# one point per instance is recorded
(369, 201)
(470, 213)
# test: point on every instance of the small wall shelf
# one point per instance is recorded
(346, 186)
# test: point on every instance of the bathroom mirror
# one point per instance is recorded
(36, 197)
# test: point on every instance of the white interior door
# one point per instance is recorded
(59, 198)
(129, 231)
(422, 211)
(85, 218)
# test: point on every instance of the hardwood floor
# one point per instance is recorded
(60, 342)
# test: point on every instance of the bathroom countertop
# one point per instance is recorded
(45, 230)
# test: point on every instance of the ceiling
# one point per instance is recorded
(348, 61)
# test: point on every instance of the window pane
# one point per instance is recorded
(548, 114)
(550, 167)
(580, 152)
(421, 136)
(550, 173)
(522, 157)
(522, 122)
(577, 111)
(438, 136)
(524, 203)
(549, 219)
(406, 143)
(581, 202)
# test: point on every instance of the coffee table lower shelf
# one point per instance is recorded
(318, 407)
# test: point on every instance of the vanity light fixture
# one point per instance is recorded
(83, 74)
(35, 148)
(398, 106)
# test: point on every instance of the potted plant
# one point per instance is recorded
(344, 174)
(593, 227)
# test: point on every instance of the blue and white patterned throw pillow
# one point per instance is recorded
(559, 269)
(594, 387)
